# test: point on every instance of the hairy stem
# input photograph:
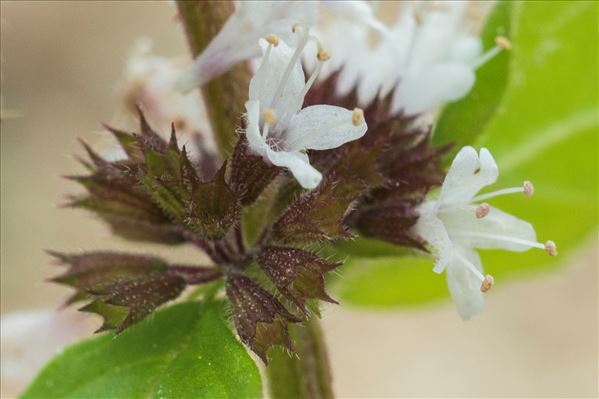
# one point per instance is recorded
(224, 96)
(306, 376)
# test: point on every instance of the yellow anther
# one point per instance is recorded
(272, 39)
(503, 42)
(357, 117)
(323, 55)
(487, 283)
(269, 116)
(551, 248)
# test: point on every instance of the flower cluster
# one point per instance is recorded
(317, 166)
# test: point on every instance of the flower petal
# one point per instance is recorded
(463, 226)
(424, 89)
(236, 41)
(238, 38)
(321, 127)
(468, 174)
(252, 131)
(463, 285)
(265, 82)
(299, 165)
(431, 229)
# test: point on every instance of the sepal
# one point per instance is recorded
(250, 174)
(125, 288)
(297, 274)
(260, 319)
(314, 216)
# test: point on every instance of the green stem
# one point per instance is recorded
(307, 375)
(225, 96)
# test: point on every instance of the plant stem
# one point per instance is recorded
(225, 96)
(306, 376)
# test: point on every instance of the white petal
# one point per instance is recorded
(299, 165)
(265, 82)
(424, 89)
(236, 41)
(431, 229)
(461, 223)
(321, 127)
(468, 173)
(252, 131)
(466, 49)
(238, 38)
(463, 285)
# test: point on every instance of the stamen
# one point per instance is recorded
(323, 55)
(483, 210)
(470, 266)
(527, 188)
(551, 248)
(501, 43)
(357, 117)
(294, 59)
(272, 39)
(487, 283)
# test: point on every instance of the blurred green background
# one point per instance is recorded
(61, 62)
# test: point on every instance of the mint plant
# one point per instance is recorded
(315, 154)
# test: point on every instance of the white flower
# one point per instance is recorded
(454, 225)
(277, 126)
(148, 82)
(238, 39)
(426, 59)
(438, 58)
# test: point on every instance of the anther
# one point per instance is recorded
(529, 189)
(417, 17)
(272, 39)
(295, 26)
(323, 55)
(487, 283)
(551, 248)
(270, 116)
(357, 117)
(503, 42)
(482, 210)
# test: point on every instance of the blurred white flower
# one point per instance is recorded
(454, 225)
(278, 128)
(426, 59)
(31, 338)
(238, 39)
(148, 82)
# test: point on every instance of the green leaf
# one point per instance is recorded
(389, 281)
(184, 351)
(461, 122)
(545, 130)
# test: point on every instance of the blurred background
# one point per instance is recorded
(61, 63)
